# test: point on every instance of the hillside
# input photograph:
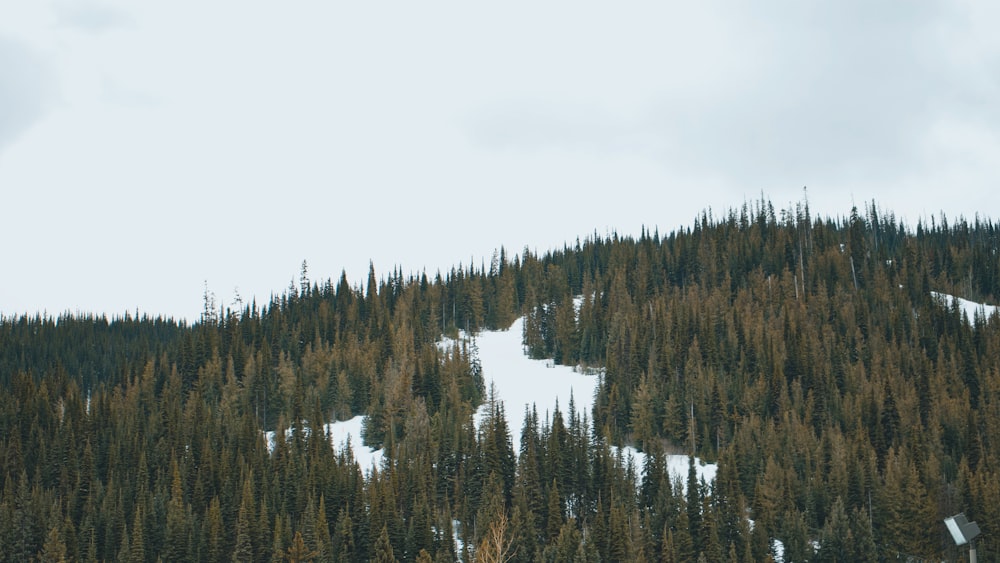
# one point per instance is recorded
(848, 406)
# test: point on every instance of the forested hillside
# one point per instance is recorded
(849, 409)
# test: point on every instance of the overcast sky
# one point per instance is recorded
(149, 147)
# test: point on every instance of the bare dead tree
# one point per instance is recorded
(497, 545)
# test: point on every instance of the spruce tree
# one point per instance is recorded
(54, 549)
(383, 548)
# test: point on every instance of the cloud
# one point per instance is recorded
(26, 89)
(557, 116)
(537, 125)
(116, 93)
(780, 92)
(843, 93)
(90, 16)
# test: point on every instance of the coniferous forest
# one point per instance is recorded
(848, 407)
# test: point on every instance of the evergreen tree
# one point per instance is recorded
(137, 548)
(343, 540)
(844, 403)
(54, 549)
(383, 548)
(298, 552)
(244, 551)
(321, 533)
(176, 541)
(693, 504)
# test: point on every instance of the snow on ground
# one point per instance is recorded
(341, 433)
(456, 526)
(778, 548)
(677, 466)
(350, 431)
(970, 308)
(269, 440)
(521, 382)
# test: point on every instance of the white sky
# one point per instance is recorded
(146, 147)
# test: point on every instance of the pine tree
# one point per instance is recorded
(795, 536)
(829, 382)
(711, 547)
(383, 548)
(836, 539)
(176, 542)
(668, 550)
(566, 545)
(343, 540)
(644, 421)
(213, 530)
(137, 548)
(620, 544)
(524, 531)
(865, 549)
(321, 533)
(124, 550)
(23, 522)
(280, 539)
(54, 549)
(555, 519)
(298, 552)
(685, 545)
(244, 552)
(693, 504)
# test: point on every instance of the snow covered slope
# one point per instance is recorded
(341, 434)
(350, 430)
(519, 382)
(970, 308)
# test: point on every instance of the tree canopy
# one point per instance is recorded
(849, 409)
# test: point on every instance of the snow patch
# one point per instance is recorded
(342, 434)
(521, 382)
(778, 548)
(456, 527)
(349, 432)
(677, 466)
(970, 308)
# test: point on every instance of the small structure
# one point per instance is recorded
(963, 532)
